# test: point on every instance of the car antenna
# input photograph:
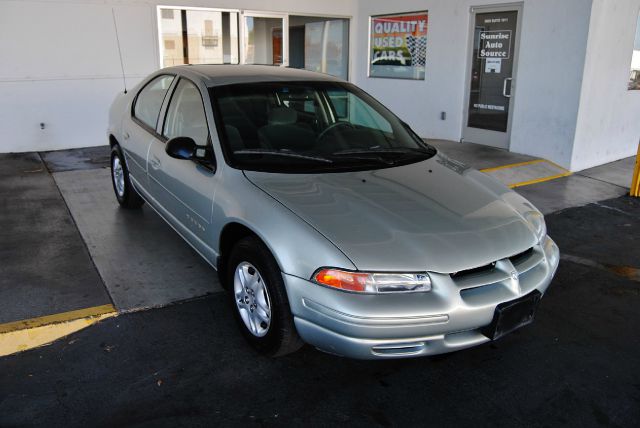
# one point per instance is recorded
(115, 26)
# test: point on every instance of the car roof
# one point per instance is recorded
(227, 74)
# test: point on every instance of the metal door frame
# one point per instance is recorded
(259, 14)
(485, 136)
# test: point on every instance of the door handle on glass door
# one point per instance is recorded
(504, 87)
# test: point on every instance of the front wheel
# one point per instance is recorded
(260, 300)
(125, 193)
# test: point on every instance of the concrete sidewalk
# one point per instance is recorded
(558, 192)
(143, 262)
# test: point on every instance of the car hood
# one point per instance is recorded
(435, 215)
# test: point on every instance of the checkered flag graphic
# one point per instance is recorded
(417, 49)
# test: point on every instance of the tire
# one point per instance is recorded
(125, 193)
(279, 336)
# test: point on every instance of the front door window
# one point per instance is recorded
(185, 116)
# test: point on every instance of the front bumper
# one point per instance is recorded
(446, 319)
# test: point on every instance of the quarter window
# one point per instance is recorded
(185, 116)
(150, 98)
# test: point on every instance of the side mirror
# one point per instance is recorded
(185, 148)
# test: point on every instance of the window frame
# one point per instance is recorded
(370, 44)
(159, 18)
(140, 122)
(241, 13)
(636, 71)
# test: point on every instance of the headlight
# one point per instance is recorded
(378, 283)
(536, 220)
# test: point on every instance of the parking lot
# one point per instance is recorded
(173, 355)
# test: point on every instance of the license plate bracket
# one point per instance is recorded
(512, 315)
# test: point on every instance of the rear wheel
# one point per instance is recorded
(260, 300)
(125, 193)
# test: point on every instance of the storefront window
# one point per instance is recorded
(198, 37)
(263, 40)
(209, 36)
(398, 45)
(319, 44)
(634, 78)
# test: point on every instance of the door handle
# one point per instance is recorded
(504, 87)
(126, 135)
(155, 163)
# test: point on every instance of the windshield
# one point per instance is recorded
(299, 127)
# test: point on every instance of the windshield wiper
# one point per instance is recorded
(401, 150)
(377, 154)
(280, 153)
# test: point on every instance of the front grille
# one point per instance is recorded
(520, 257)
(475, 271)
(493, 281)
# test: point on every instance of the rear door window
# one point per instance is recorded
(149, 100)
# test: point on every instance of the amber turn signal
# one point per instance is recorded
(351, 281)
(378, 283)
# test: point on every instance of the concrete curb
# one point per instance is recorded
(27, 334)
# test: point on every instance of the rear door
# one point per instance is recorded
(140, 129)
(185, 188)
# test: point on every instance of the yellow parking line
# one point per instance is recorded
(57, 318)
(512, 165)
(30, 333)
(539, 180)
(535, 180)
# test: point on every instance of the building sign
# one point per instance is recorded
(398, 45)
(495, 44)
(493, 65)
(488, 107)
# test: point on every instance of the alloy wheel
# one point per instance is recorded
(252, 299)
(118, 176)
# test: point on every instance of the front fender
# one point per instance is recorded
(298, 248)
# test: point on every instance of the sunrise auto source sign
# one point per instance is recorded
(399, 45)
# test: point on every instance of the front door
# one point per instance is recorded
(184, 189)
(491, 84)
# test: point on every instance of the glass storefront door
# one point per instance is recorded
(264, 41)
(491, 84)
(319, 44)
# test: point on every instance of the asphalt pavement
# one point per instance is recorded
(187, 365)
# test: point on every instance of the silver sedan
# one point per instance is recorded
(327, 218)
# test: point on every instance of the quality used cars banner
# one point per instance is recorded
(399, 45)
